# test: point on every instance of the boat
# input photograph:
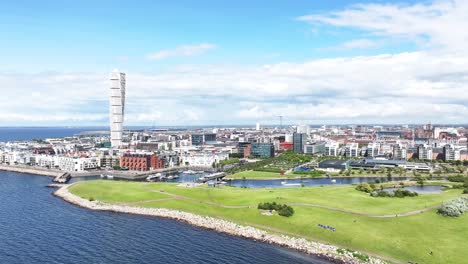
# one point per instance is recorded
(153, 177)
(189, 172)
(170, 177)
(290, 184)
(333, 181)
(110, 177)
(176, 176)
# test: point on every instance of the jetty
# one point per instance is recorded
(214, 176)
(64, 178)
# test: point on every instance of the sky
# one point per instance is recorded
(210, 62)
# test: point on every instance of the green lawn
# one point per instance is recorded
(405, 239)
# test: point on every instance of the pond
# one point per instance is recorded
(285, 183)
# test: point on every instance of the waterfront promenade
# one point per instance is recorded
(31, 170)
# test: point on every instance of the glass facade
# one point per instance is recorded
(262, 150)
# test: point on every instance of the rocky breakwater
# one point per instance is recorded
(31, 170)
(328, 252)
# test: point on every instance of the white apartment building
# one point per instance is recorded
(425, 152)
(399, 152)
(331, 148)
(352, 150)
(203, 159)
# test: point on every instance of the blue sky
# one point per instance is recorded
(187, 61)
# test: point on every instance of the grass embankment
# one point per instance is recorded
(410, 238)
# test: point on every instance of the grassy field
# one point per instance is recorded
(410, 238)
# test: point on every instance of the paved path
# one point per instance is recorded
(180, 197)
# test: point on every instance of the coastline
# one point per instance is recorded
(327, 252)
(319, 177)
(30, 170)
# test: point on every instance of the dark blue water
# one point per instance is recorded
(307, 182)
(36, 227)
(29, 133)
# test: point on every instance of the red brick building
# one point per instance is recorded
(141, 162)
(286, 145)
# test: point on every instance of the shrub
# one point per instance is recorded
(465, 191)
(91, 199)
(457, 178)
(454, 208)
(282, 209)
(365, 187)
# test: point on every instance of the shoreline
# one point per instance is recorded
(324, 251)
(30, 170)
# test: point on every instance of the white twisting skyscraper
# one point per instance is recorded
(117, 107)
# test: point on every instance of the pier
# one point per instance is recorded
(214, 176)
(64, 178)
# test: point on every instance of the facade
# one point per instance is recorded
(141, 162)
(399, 152)
(424, 152)
(352, 150)
(117, 107)
(315, 148)
(201, 139)
(373, 150)
(299, 140)
(262, 150)
(450, 153)
(203, 159)
(331, 149)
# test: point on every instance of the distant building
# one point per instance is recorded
(262, 150)
(244, 149)
(372, 150)
(399, 152)
(299, 140)
(450, 153)
(141, 162)
(424, 152)
(314, 148)
(286, 145)
(331, 148)
(201, 139)
(333, 165)
(117, 107)
(352, 150)
(257, 126)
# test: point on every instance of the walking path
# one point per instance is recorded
(180, 197)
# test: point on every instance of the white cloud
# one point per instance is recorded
(405, 87)
(439, 24)
(181, 51)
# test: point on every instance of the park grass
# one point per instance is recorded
(403, 239)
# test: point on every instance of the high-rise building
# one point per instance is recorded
(117, 107)
(299, 140)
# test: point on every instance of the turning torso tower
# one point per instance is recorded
(117, 107)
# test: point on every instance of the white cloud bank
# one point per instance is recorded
(411, 87)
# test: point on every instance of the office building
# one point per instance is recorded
(262, 150)
(299, 140)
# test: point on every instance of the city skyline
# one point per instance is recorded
(363, 62)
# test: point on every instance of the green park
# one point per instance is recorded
(399, 230)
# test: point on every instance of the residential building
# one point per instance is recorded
(352, 150)
(117, 107)
(141, 162)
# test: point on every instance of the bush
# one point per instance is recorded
(310, 173)
(282, 209)
(457, 178)
(465, 191)
(454, 208)
(365, 187)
